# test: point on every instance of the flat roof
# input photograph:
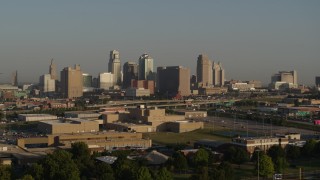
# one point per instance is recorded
(36, 115)
(67, 121)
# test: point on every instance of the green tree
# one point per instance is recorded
(293, 152)
(59, 165)
(124, 169)
(237, 155)
(81, 156)
(277, 155)
(180, 161)
(227, 169)
(36, 171)
(266, 167)
(275, 152)
(143, 174)
(103, 171)
(27, 177)
(309, 147)
(164, 174)
(201, 158)
(5, 172)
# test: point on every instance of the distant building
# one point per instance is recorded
(218, 74)
(145, 84)
(145, 67)
(173, 81)
(72, 82)
(212, 90)
(47, 84)
(130, 72)
(193, 82)
(87, 80)
(71, 125)
(36, 117)
(285, 76)
(204, 70)
(53, 71)
(114, 66)
(241, 87)
(318, 81)
(256, 84)
(137, 92)
(14, 79)
(106, 80)
(262, 143)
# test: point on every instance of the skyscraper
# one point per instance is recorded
(130, 72)
(218, 74)
(174, 81)
(146, 68)
(72, 82)
(15, 78)
(114, 66)
(47, 84)
(204, 70)
(317, 81)
(106, 80)
(285, 76)
(53, 70)
(87, 80)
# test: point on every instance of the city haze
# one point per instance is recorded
(252, 39)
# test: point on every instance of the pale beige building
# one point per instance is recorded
(204, 70)
(71, 125)
(262, 143)
(72, 82)
(104, 140)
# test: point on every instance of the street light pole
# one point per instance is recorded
(258, 166)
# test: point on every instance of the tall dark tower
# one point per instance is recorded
(15, 78)
(130, 71)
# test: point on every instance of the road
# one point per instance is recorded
(253, 127)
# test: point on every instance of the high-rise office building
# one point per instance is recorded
(72, 82)
(193, 82)
(174, 81)
(146, 68)
(106, 80)
(317, 81)
(114, 66)
(204, 70)
(53, 70)
(47, 84)
(218, 74)
(285, 76)
(130, 72)
(87, 80)
(15, 78)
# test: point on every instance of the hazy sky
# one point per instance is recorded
(252, 38)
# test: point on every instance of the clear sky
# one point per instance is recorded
(252, 38)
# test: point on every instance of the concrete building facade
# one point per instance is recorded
(106, 80)
(130, 72)
(47, 84)
(218, 74)
(285, 76)
(53, 70)
(72, 82)
(145, 84)
(204, 70)
(71, 125)
(145, 67)
(173, 81)
(114, 66)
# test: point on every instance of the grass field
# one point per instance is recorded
(169, 138)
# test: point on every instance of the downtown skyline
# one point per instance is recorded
(252, 40)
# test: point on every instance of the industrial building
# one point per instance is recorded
(98, 140)
(71, 125)
(36, 117)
